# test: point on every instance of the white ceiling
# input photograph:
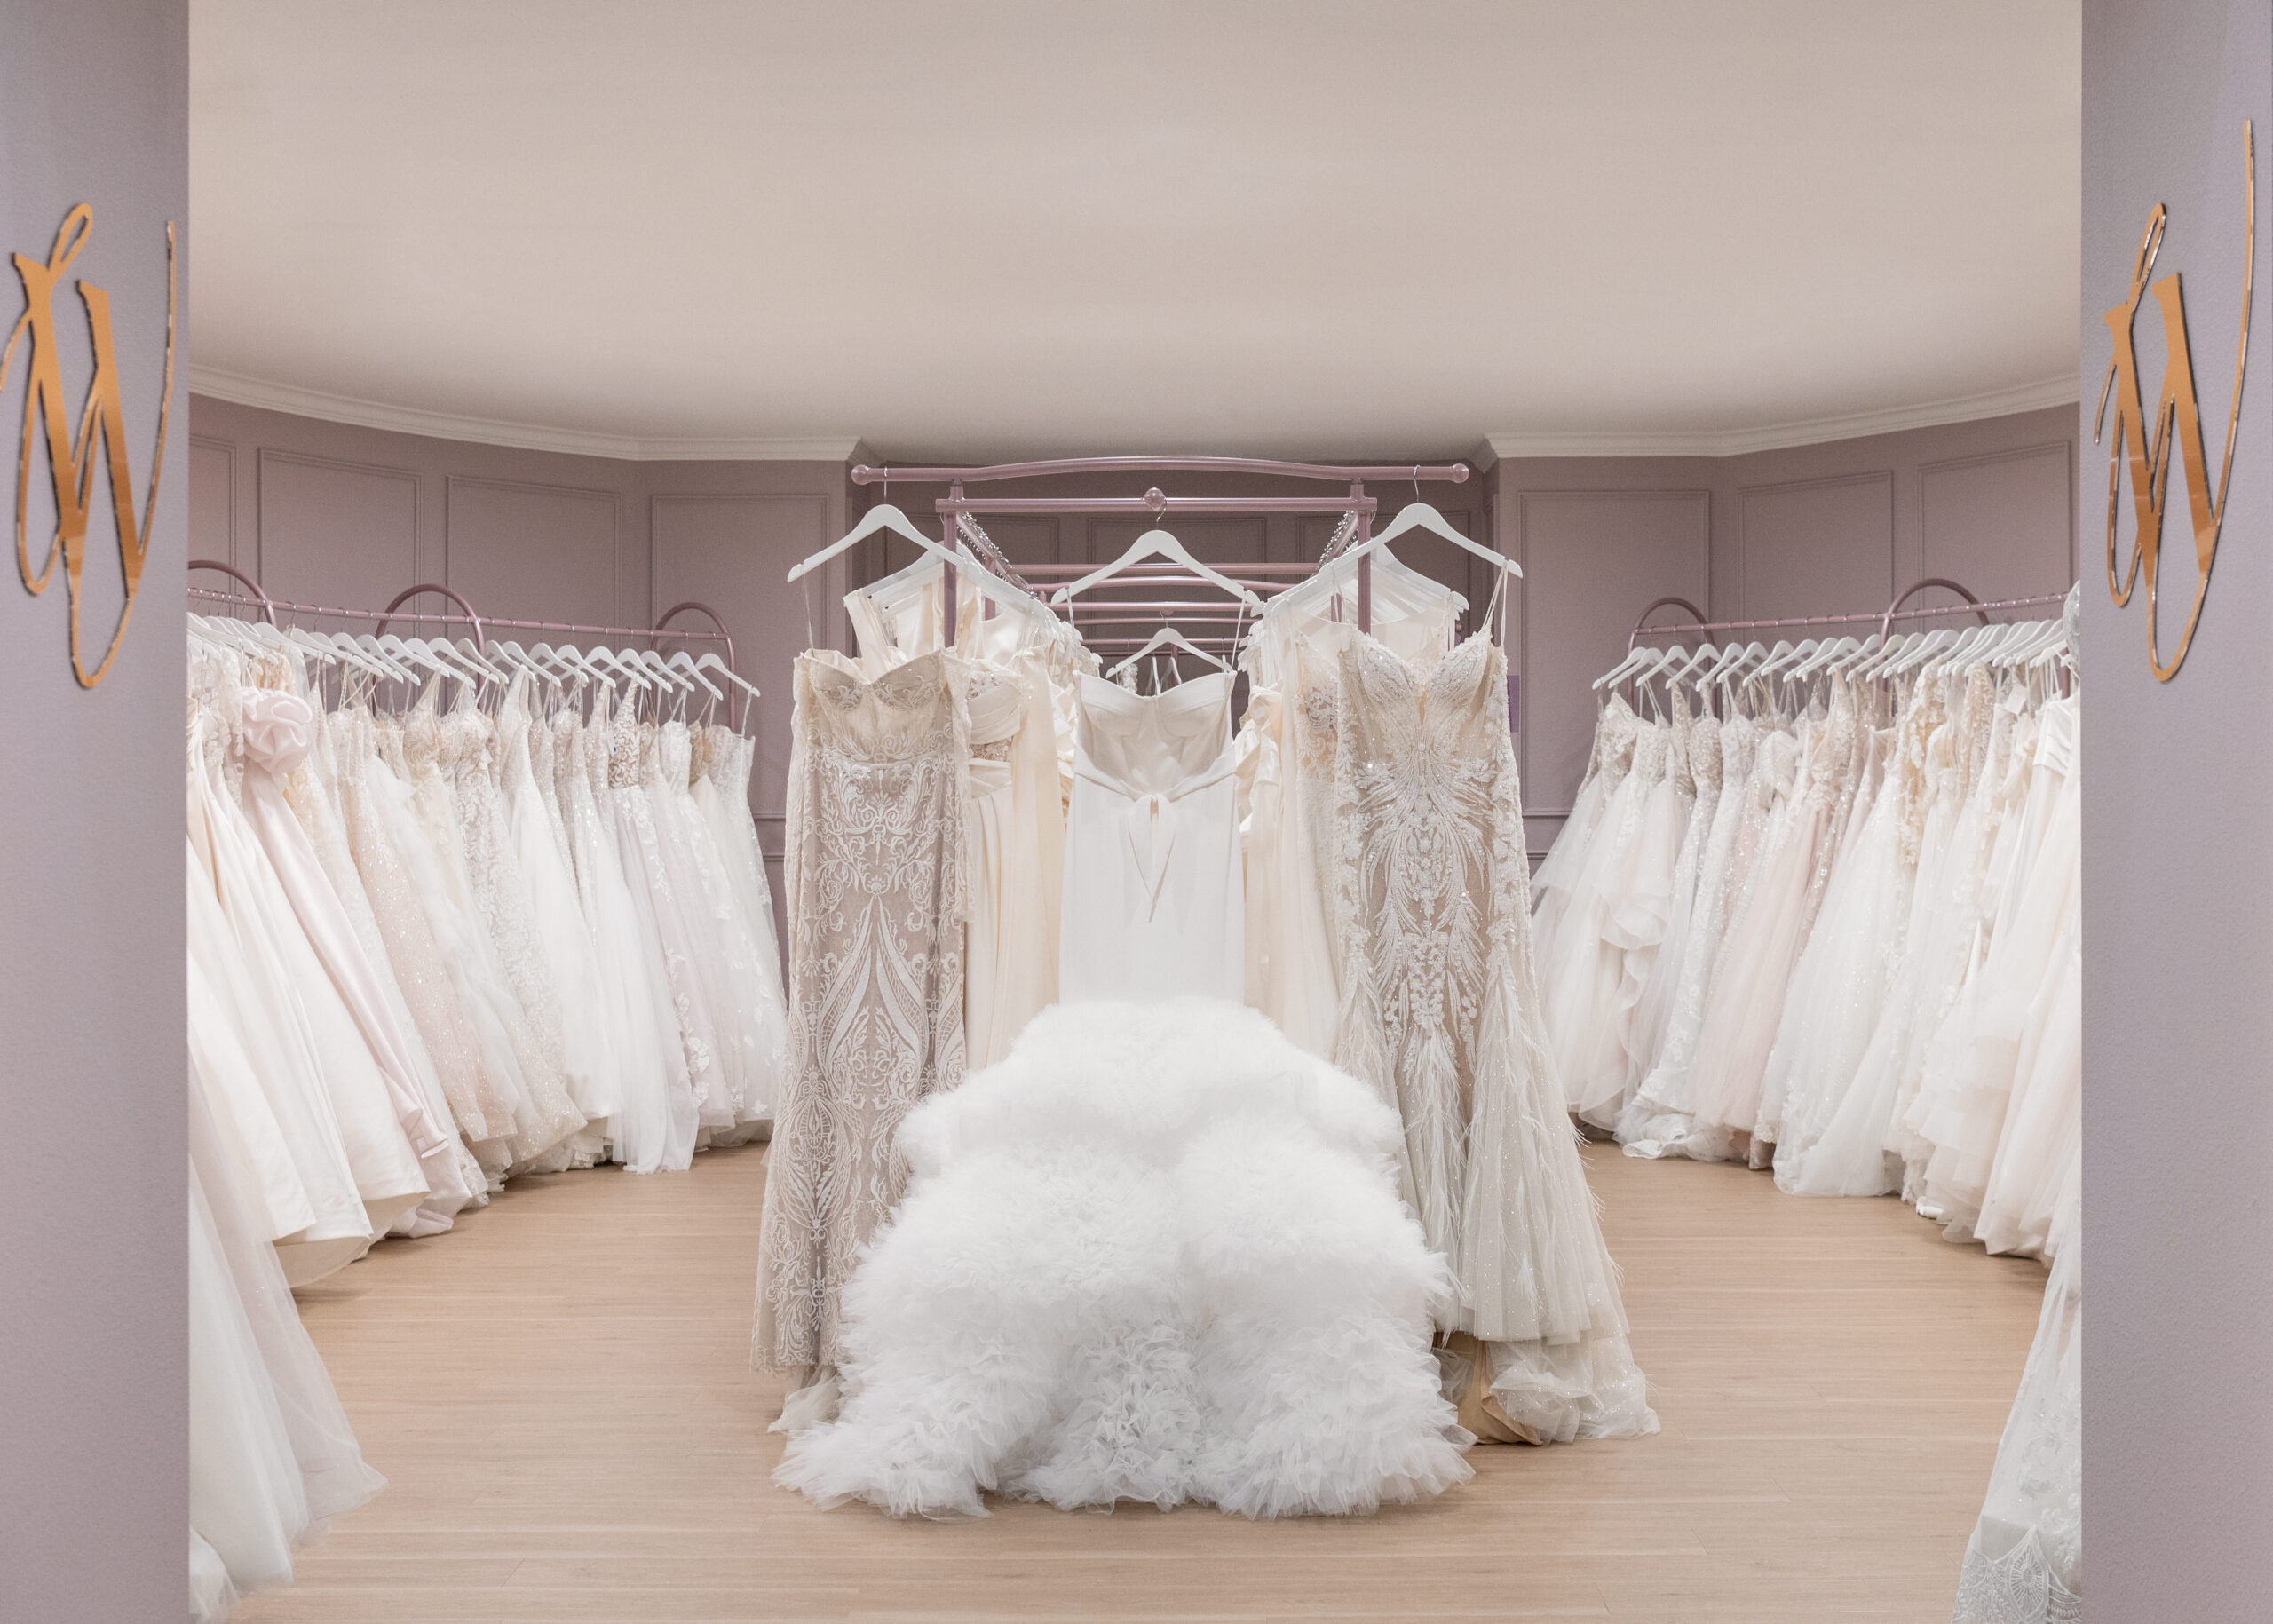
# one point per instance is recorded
(670, 228)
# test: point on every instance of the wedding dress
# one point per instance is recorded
(323, 1057)
(555, 923)
(1639, 918)
(1440, 1016)
(468, 749)
(271, 1456)
(653, 1126)
(389, 856)
(1152, 901)
(2024, 1563)
(1015, 829)
(722, 797)
(628, 750)
(1286, 764)
(1616, 727)
(1659, 1122)
(455, 1180)
(1647, 1037)
(872, 866)
(1156, 1255)
(1764, 945)
(1582, 992)
(254, 1065)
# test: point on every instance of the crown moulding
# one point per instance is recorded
(243, 391)
(240, 391)
(1778, 436)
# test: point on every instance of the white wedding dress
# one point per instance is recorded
(1153, 903)
(1157, 1254)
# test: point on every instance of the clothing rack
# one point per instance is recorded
(1699, 626)
(480, 623)
(1156, 503)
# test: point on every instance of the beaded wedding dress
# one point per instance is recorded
(1440, 1016)
(875, 874)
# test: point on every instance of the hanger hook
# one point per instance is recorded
(1416, 481)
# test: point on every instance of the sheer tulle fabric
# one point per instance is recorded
(1156, 1255)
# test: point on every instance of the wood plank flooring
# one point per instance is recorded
(557, 1392)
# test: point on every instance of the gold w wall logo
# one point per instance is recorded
(73, 438)
(2177, 417)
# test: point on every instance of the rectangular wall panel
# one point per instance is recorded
(530, 552)
(731, 553)
(2000, 524)
(1592, 561)
(335, 532)
(213, 508)
(1816, 546)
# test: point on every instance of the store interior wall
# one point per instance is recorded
(345, 516)
(333, 513)
(2178, 854)
(93, 1338)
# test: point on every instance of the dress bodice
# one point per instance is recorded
(891, 718)
(1158, 744)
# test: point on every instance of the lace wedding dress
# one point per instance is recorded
(2025, 1564)
(1440, 1016)
(873, 868)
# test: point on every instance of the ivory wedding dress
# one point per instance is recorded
(2025, 1564)
(1154, 905)
(873, 869)
(1440, 1016)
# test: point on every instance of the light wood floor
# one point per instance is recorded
(557, 1392)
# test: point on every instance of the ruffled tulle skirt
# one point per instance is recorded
(1157, 1254)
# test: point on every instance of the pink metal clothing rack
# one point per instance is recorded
(1886, 617)
(1156, 503)
(480, 623)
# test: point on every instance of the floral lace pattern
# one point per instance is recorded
(874, 872)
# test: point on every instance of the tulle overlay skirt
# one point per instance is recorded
(1156, 1254)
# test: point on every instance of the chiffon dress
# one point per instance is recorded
(1440, 1015)
(1153, 900)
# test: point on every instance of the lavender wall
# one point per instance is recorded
(93, 1452)
(2178, 854)
(333, 513)
(328, 513)
(1809, 530)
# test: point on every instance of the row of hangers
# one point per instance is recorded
(390, 658)
(2011, 644)
(885, 518)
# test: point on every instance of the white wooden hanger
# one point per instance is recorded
(685, 661)
(884, 516)
(1156, 544)
(1421, 516)
(1169, 636)
(1329, 580)
(712, 662)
